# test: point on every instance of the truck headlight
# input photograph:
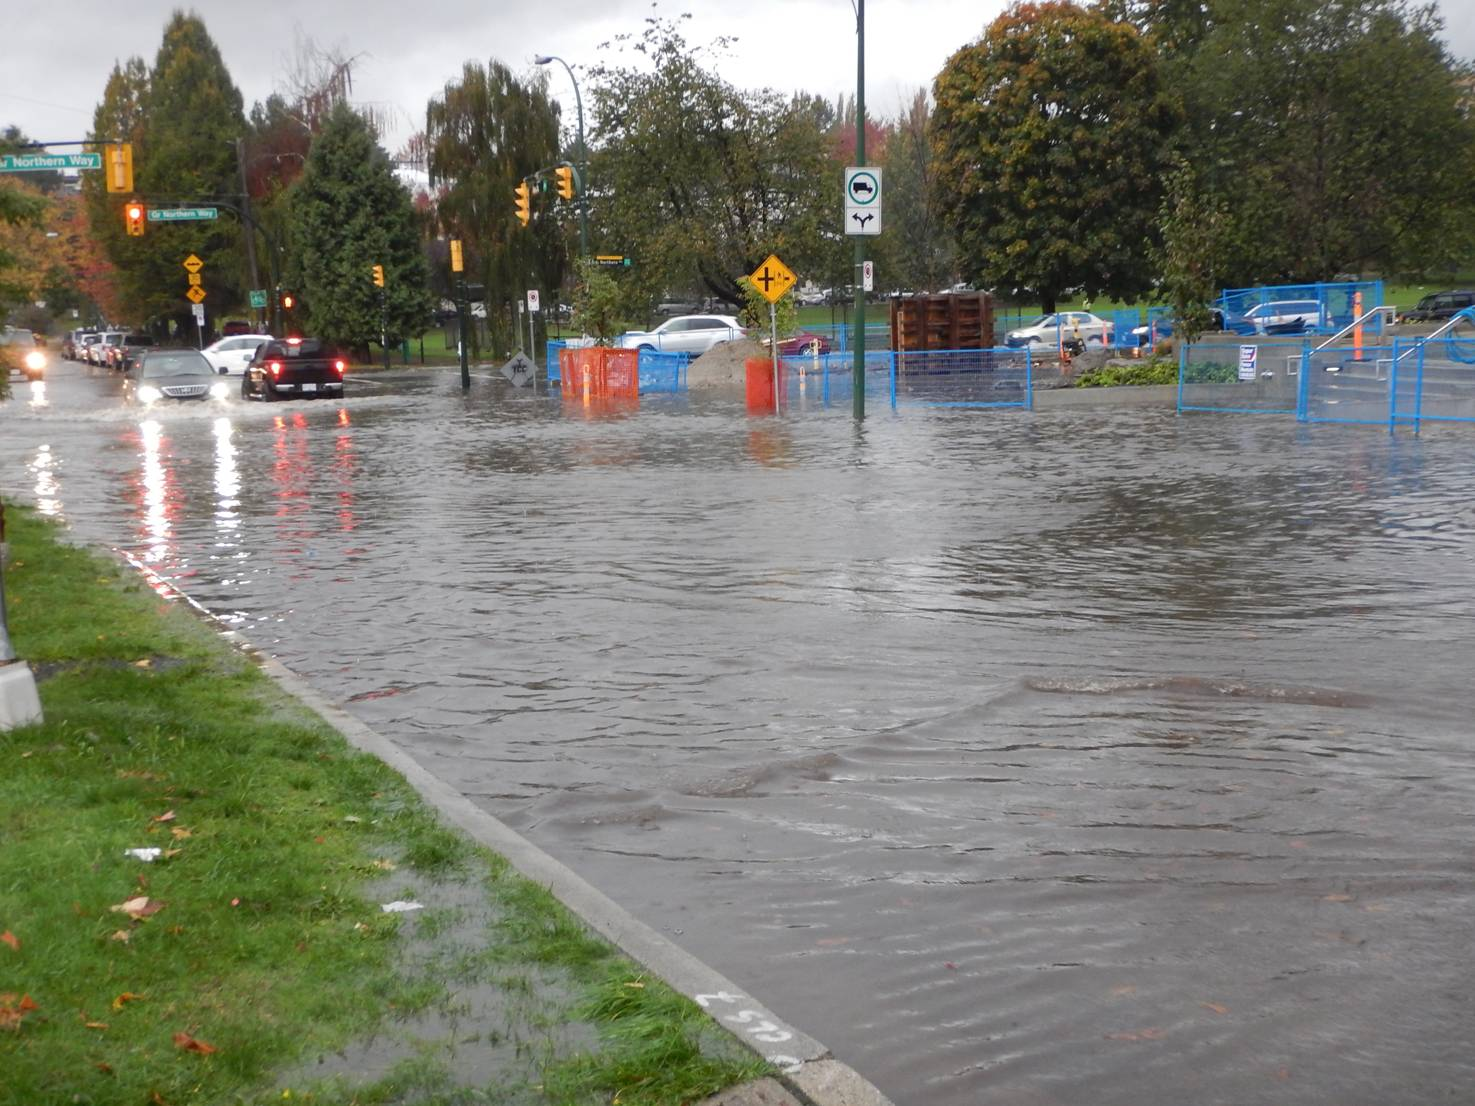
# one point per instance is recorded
(147, 393)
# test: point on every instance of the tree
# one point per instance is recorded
(1332, 135)
(483, 135)
(118, 117)
(925, 260)
(1051, 137)
(348, 214)
(698, 180)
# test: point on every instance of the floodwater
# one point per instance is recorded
(1075, 757)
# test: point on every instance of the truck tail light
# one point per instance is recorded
(341, 366)
(275, 367)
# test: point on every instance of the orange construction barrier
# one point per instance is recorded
(598, 373)
(762, 397)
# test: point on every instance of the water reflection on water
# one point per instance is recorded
(1065, 758)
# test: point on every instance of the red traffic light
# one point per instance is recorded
(135, 211)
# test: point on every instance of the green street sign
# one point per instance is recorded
(258, 297)
(43, 163)
(181, 214)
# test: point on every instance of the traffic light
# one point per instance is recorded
(133, 215)
(289, 301)
(524, 203)
(379, 276)
(564, 174)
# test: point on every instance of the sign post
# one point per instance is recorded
(533, 299)
(773, 278)
(458, 267)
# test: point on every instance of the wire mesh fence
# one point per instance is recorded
(1255, 378)
(965, 378)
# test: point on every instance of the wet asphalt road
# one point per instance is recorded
(1069, 757)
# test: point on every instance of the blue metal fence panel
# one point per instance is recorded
(1335, 300)
(554, 345)
(1348, 385)
(662, 372)
(1251, 378)
(829, 379)
(965, 378)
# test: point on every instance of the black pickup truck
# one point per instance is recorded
(294, 367)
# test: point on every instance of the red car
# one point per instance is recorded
(803, 345)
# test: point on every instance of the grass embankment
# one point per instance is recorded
(255, 943)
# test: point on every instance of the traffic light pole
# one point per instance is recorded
(384, 324)
(462, 310)
(859, 405)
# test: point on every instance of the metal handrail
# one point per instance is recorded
(1353, 325)
(1465, 315)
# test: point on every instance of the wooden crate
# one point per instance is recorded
(953, 320)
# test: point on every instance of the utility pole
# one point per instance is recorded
(246, 223)
(860, 242)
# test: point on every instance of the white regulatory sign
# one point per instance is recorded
(199, 310)
(868, 276)
(1248, 362)
(532, 299)
(862, 200)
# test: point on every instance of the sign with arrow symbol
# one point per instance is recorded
(862, 200)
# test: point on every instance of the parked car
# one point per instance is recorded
(171, 374)
(294, 367)
(71, 345)
(1278, 317)
(1438, 307)
(694, 334)
(1164, 326)
(677, 307)
(99, 353)
(1064, 326)
(803, 344)
(22, 353)
(233, 327)
(85, 342)
(122, 356)
(230, 356)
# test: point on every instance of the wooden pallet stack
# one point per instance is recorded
(951, 320)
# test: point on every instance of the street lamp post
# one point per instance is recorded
(544, 59)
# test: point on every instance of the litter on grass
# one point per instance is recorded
(148, 856)
(400, 906)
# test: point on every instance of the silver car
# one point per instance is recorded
(1064, 326)
(694, 334)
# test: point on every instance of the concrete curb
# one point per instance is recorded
(809, 1071)
(1123, 395)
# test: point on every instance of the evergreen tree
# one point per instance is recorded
(193, 116)
(348, 214)
(119, 117)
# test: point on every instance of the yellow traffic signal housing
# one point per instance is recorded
(564, 174)
(524, 203)
(134, 214)
(457, 264)
(379, 276)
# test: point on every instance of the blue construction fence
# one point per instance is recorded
(1327, 307)
(1405, 382)
(975, 378)
(660, 371)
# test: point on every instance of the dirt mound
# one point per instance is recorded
(721, 367)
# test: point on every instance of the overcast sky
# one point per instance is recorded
(57, 60)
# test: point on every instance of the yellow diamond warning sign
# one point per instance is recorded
(773, 279)
(196, 293)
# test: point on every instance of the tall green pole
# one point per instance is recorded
(860, 242)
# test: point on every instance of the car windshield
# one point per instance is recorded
(184, 362)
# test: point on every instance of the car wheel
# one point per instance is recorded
(268, 393)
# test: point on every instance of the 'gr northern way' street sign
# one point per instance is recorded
(41, 163)
(181, 214)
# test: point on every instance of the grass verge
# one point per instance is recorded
(254, 945)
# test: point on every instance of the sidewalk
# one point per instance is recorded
(208, 895)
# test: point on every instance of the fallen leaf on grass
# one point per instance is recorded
(384, 864)
(190, 1044)
(157, 1099)
(95, 1025)
(121, 935)
(13, 1010)
(125, 998)
(639, 986)
(104, 1067)
(167, 816)
(145, 663)
(8, 938)
(179, 832)
(1216, 1007)
(139, 908)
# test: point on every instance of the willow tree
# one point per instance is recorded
(1051, 138)
(483, 135)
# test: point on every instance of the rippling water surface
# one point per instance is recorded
(1077, 757)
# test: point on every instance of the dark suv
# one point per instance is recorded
(1438, 307)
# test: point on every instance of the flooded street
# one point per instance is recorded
(1074, 757)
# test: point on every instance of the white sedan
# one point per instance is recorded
(230, 356)
(694, 334)
(1051, 330)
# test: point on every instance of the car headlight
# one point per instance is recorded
(219, 390)
(147, 393)
(35, 360)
